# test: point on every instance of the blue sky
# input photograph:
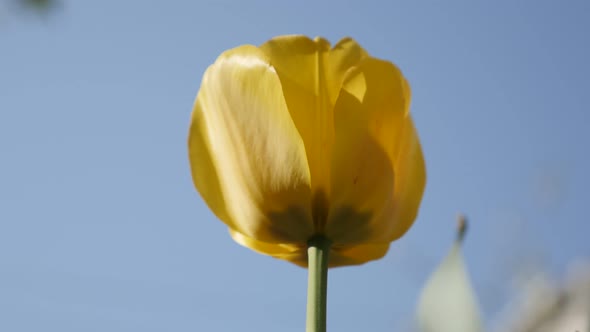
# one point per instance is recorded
(102, 230)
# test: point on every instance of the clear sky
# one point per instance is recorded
(102, 230)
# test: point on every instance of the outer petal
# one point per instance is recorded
(311, 75)
(297, 254)
(357, 254)
(293, 253)
(377, 168)
(248, 160)
(410, 179)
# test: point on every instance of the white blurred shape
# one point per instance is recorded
(448, 302)
(546, 306)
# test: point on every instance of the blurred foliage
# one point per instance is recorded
(39, 5)
(448, 302)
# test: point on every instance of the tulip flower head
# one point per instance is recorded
(295, 139)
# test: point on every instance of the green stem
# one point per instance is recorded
(318, 248)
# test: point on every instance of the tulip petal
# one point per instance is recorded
(311, 75)
(293, 253)
(410, 181)
(241, 128)
(378, 174)
(297, 254)
(357, 254)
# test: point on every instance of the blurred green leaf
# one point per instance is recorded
(38, 4)
(448, 302)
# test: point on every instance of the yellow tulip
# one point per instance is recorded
(294, 138)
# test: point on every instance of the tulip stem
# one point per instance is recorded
(318, 248)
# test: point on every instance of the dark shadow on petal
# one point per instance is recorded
(346, 223)
(319, 211)
(290, 226)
